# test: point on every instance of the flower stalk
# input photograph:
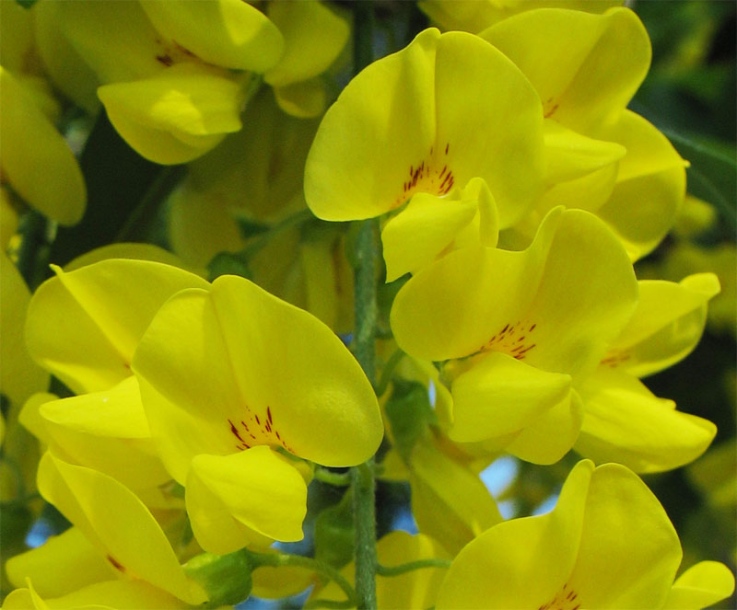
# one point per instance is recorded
(367, 251)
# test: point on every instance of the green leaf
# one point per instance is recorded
(226, 578)
(409, 413)
(712, 175)
(334, 533)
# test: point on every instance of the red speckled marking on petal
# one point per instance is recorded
(427, 178)
(252, 431)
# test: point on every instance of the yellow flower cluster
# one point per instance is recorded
(463, 213)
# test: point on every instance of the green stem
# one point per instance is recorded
(277, 560)
(411, 566)
(363, 478)
(366, 309)
(327, 603)
(364, 348)
(337, 479)
(364, 515)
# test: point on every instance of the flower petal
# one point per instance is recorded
(127, 31)
(415, 236)
(557, 305)
(20, 376)
(178, 376)
(547, 439)
(571, 155)
(500, 395)
(129, 250)
(416, 589)
(249, 358)
(25, 599)
(474, 16)
(702, 585)
(117, 412)
(586, 295)
(133, 540)
(325, 407)
(64, 66)
(666, 326)
(413, 589)
(650, 188)
(359, 158)
(227, 33)
(629, 549)
(314, 36)
(625, 423)
(588, 192)
(176, 115)
(521, 563)
(60, 565)
(84, 325)
(448, 309)
(306, 99)
(201, 225)
(251, 497)
(121, 595)
(273, 582)
(511, 162)
(446, 89)
(32, 145)
(585, 67)
(106, 431)
(449, 501)
(107, 595)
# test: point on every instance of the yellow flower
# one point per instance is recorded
(623, 421)
(233, 381)
(516, 331)
(71, 75)
(20, 378)
(176, 115)
(666, 326)
(600, 156)
(31, 147)
(314, 37)
(62, 564)
(104, 430)
(685, 257)
(420, 123)
(185, 71)
(107, 595)
(226, 33)
(84, 325)
(607, 544)
(117, 523)
(476, 15)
